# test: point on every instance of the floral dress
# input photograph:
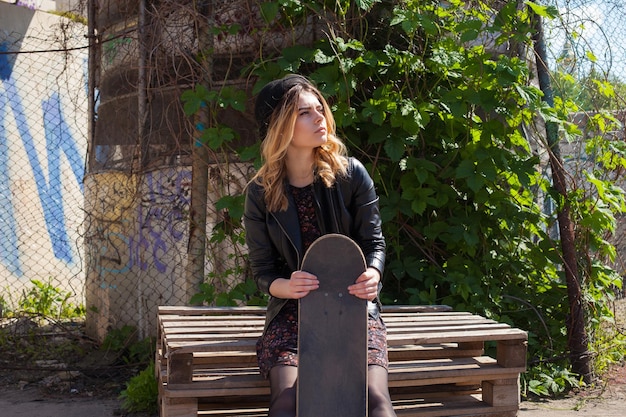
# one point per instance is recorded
(279, 343)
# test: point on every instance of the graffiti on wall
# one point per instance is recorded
(162, 214)
(143, 232)
(136, 237)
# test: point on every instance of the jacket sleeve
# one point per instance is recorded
(261, 253)
(366, 228)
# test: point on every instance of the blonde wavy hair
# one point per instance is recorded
(330, 159)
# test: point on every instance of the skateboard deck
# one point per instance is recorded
(332, 335)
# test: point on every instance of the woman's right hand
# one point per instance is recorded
(300, 284)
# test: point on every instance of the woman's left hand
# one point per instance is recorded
(366, 285)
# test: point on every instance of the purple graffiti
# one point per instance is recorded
(162, 211)
(162, 223)
(30, 4)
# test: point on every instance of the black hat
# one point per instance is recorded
(271, 95)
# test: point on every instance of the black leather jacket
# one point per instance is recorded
(274, 242)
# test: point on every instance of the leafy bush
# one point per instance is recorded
(142, 392)
(437, 100)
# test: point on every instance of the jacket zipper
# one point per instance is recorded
(288, 238)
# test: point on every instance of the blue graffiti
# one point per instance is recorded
(9, 252)
(59, 141)
(5, 62)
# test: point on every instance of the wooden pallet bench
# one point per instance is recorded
(206, 362)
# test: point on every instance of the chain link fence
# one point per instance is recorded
(587, 42)
(43, 143)
(108, 222)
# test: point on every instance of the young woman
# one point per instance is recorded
(306, 188)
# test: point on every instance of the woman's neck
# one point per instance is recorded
(299, 169)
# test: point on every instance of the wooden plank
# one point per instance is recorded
(217, 346)
(209, 330)
(461, 370)
(185, 407)
(470, 405)
(204, 327)
(210, 334)
(415, 309)
(501, 392)
(443, 406)
(441, 319)
(224, 382)
(443, 350)
(236, 320)
(455, 336)
(510, 353)
(205, 322)
(397, 353)
(196, 310)
(486, 329)
(429, 316)
(461, 334)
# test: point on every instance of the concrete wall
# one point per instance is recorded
(137, 229)
(43, 143)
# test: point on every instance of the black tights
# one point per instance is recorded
(283, 387)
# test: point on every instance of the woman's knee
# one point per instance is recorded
(378, 393)
(283, 380)
(283, 405)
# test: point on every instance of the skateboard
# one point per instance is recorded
(332, 335)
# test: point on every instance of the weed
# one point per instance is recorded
(46, 300)
(124, 341)
(141, 393)
(549, 380)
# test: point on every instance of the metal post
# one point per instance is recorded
(199, 166)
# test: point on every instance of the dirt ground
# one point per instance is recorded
(607, 400)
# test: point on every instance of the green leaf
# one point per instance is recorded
(269, 10)
(232, 204)
(192, 102)
(251, 152)
(394, 147)
(366, 4)
(590, 56)
(236, 99)
(466, 169)
(550, 12)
